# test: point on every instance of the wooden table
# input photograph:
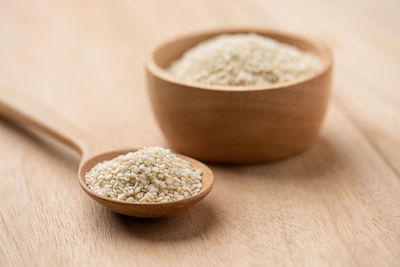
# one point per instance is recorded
(338, 203)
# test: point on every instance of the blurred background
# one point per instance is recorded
(64, 51)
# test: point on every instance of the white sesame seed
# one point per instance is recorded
(244, 59)
(152, 174)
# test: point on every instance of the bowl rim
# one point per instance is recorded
(319, 45)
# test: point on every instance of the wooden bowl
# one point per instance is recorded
(240, 124)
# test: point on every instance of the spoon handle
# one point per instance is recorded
(30, 115)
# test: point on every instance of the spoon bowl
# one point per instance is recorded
(145, 209)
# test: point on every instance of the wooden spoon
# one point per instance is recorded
(32, 116)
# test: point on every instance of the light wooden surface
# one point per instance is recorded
(338, 203)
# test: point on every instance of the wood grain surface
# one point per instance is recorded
(335, 204)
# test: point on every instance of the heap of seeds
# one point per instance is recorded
(244, 60)
(152, 174)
